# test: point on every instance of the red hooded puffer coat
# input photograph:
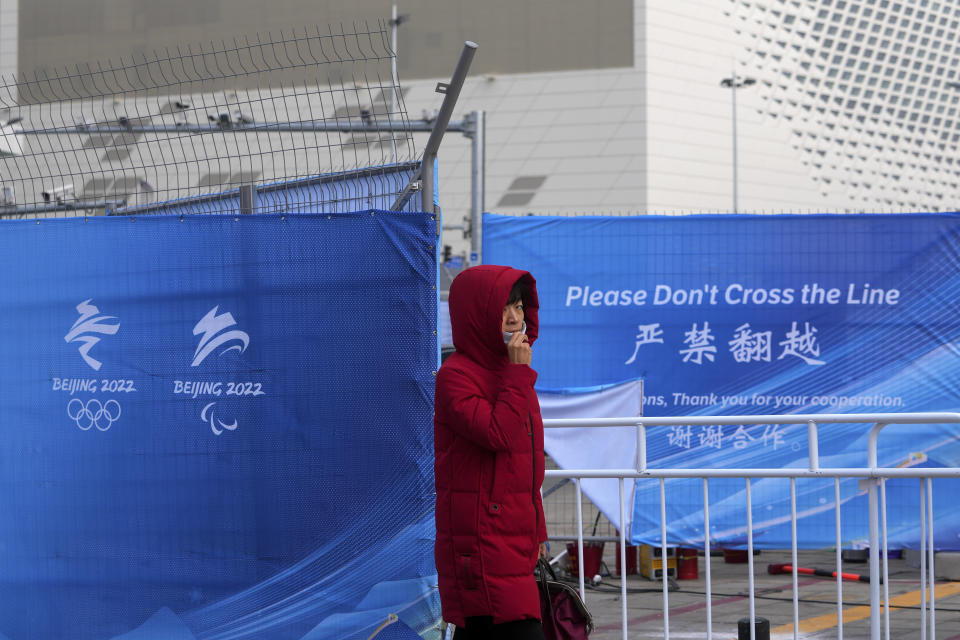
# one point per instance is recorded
(488, 442)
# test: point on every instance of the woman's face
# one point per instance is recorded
(512, 317)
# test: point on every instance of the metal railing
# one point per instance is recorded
(876, 502)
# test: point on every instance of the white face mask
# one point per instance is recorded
(507, 335)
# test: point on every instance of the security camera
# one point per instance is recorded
(222, 120)
(58, 194)
(239, 117)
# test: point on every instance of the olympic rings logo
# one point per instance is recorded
(93, 413)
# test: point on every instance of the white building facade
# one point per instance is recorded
(843, 106)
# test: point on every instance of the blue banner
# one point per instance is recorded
(217, 426)
(756, 315)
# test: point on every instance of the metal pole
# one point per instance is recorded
(923, 561)
(706, 557)
(393, 60)
(623, 565)
(248, 198)
(793, 557)
(839, 557)
(886, 556)
(478, 172)
(750, 587)
(664, 561)
(451, 93)
(932, 551)
(733, 94)
(583, 592)
(372, 126)
(426, 184)
(874, 514)
(394, 98)
(77, 205)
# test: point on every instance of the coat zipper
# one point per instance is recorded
(533, 482)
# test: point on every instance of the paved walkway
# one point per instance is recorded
(818, 611)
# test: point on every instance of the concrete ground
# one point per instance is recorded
(774, 601)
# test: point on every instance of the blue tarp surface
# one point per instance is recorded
(734, 314)
(217, 426)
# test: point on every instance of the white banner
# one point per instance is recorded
(596, 448)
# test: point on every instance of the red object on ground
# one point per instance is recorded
(592, 557)
(631, 559)
(735, 556)
(688, 567)
(775, 569)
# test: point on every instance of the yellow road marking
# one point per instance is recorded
(852, 614)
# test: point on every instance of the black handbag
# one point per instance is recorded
(564, 615)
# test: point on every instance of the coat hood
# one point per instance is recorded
(477, 298)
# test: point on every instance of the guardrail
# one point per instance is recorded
(876, 502)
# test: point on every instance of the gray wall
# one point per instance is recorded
(516, 36)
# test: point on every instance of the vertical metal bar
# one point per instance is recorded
(733, 98)
(248, 198)
(395, 80)
(641, 448)
(793, 557)
(839, 554)
(886, 571)
(813, 448)
(583, 593)
(932, 551)
(874, 561)
(753, 612)
(478, 172)
(663, 559)
(874, 551)
(923, 561)
(623, 563)
(426, 178)
(394, 101)
(706, 556)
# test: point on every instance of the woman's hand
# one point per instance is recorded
(519, 349)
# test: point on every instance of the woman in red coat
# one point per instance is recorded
(488, 443)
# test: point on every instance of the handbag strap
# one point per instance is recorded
(546, 568)
(543, 569)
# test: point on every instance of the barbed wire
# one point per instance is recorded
(197, 120)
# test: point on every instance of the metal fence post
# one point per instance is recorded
(451, 92)
(477, 132)
(874, 515)
(248, 198)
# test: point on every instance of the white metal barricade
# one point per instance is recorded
(876, 502)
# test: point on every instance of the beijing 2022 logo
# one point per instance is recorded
(87, 407)
(217, 330)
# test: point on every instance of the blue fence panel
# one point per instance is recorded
(753, 315)
(217, 427)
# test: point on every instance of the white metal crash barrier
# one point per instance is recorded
(876, 501)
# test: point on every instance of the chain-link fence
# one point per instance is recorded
(193, 121)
